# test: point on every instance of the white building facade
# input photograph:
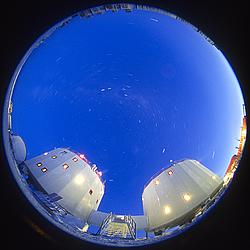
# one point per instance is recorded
(69, 176)
(174, 195)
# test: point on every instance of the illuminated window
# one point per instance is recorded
(90, 191)
(44, 170)
(53, 156)
(75, 159)
(187, 197)
(46, 153)
(170, 172)
(65, 166)
(157, 182)
(39, 164)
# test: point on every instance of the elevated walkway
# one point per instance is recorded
(120, 226)
(97, 218)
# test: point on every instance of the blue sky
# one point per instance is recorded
(131, 91)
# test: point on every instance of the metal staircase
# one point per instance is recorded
(120, 226)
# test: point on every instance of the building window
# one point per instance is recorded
(39, 164)
(53, 156)
(157, 182)
(63, 152)
(44, 170)
(75, 159)
(90, 191)
(170, 172)
(65, 166)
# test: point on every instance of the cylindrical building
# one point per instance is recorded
(173, 196)
(18, 148)
(68, 177)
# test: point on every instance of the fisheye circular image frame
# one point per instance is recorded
(118, 95)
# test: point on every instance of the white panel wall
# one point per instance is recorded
(170, 197)
(73, 184)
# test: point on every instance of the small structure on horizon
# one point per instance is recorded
(234, 162)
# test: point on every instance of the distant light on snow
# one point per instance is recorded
(102, 90)
(171, 161)
(163, 150)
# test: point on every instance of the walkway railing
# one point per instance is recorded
(118, 226)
